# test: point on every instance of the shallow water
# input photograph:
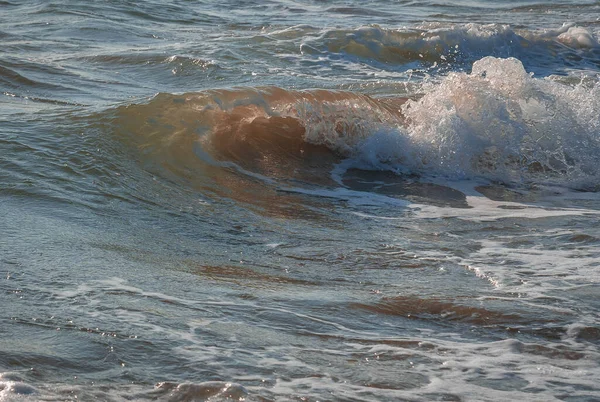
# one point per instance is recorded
(298, 200)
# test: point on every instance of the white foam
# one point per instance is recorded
(497, 122)
(574, 36)
(501, 123)
(483, 209)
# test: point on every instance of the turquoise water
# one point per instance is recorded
(299, 200)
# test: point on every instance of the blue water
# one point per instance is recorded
(299, 200)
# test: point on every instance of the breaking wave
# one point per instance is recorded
(497, 122)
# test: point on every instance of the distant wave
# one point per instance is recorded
(455, 44)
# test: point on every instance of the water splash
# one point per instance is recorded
(502, 123)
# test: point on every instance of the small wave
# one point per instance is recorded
(129, 59)
(245, 276)
(420, 308)
(210, 390)
(9, 77)
(358, 11)
(21, 80)
(42, 100)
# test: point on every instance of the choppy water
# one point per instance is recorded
(300, 200)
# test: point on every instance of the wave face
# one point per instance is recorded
(270, 131)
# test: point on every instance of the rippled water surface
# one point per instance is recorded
(299, 200)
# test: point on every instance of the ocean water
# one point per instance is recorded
(300, 200)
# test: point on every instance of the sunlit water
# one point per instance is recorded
(299, 200)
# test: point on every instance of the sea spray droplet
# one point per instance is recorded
(578, 37)
(496, 72)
